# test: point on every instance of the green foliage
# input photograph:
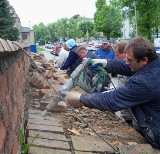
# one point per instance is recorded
(73, 29)
(109, 21)
(99, 4)
(63, 29)
(53, 32)
(41, 33)
(25, 146)
(39, 49)
(86, 26)
(68, 28)
(148, 15)
(7, 29)
(62, 26)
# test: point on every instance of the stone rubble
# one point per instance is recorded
(62, 132)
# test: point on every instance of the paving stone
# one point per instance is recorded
(137, 149)
(41, 121)
(50, 143)
(38, 116)
(36, 106)
(45, 128)
(89, 144)
(47, 135)
(80, 152)
(38, 150)
(33, 111)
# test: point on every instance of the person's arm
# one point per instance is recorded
(71, 58)
(118, 67)
(114, 66)
(132, 95)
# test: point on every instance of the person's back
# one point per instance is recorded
(73, 59)
(63, 55)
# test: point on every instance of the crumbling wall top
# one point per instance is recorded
(8, 47)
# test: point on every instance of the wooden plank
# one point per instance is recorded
(11, 45)
(5, 45)
(16, 47)
(1, 47)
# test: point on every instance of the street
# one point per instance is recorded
(48, 55)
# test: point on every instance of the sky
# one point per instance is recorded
(33, 12)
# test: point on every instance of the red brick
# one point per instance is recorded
(9, 142)
(6, 117)
(14, 118)
(19, 61)
(10, 77)
(2, 134)
(9, 102)
(3, 87)
(15, 146)
(16, 69)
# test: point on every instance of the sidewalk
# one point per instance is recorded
(52, 138)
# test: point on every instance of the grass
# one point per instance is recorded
(40, 49)
(25, 146)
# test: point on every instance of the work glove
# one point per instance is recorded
(99, 62)
(72, 98)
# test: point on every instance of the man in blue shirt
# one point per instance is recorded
(106, 52)
(142, 93)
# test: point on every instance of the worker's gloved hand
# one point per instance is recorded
(72, 98)
(100, 62)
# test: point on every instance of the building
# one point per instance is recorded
(26, 34)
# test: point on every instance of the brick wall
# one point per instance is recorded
(14, 66)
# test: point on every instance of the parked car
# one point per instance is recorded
(157, 50)
(49, 46)
(82, 43)
(97, 46)
(92, 49)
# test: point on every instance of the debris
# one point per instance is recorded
(74, 131)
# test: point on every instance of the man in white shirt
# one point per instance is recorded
(62, 55)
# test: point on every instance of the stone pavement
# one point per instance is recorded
(52, 138)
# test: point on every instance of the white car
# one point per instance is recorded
(157, 50)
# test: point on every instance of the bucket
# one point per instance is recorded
(33, 48)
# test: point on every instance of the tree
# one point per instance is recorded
(148, 15)
(86, 27)
(73, 29)
(108, 19)
(68, 28)
(7, 29)
(41, 33)
(53, 32)
(62, 28)
(99, 4)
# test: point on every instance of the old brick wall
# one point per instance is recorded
(14, 65)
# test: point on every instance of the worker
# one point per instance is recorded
(73, 60)
(141, 94)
